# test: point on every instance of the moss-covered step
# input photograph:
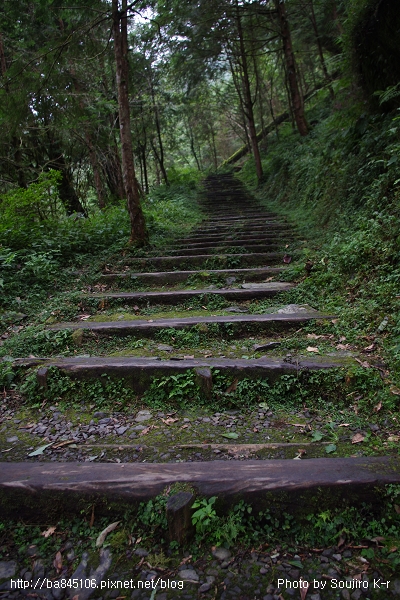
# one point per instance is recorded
(167, 277)
(218, 248)
(233, 240)
(259, 259)
(253, 291)
(139, 327)
(243, 227)
(297, 486)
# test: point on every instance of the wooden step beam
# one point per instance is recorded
(43, 491)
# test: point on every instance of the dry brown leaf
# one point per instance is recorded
(395, 391)
(378, 407)
(393, 438)
(147, 429)
(312, 349)
(185, 426)
(344, 425)
(314, 336)
(357, 438)
(363, 363)
(342, 338)
(48, 532)
(343, 347)
(189, 356)
(169, 420)
(397, 508)
(334, 321)
(57, 562)
(370, 348)
(64, 443)
(105, 532)
(232, 387)
(84, 317)
(304, 588)
(91, 522)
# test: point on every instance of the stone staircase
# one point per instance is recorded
(237, 254)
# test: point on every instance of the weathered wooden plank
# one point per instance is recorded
(40, 487)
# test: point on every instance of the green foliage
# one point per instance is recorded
(35, 204)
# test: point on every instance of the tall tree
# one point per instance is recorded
(139, 234)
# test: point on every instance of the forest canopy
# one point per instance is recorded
(100, 102)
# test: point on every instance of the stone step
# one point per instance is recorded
(262, 290)
(35, 490)
(203, 260)
(243, 227)
(215, 248)
(239, 220)
(166, 277)
(148, 328)
(232, 240)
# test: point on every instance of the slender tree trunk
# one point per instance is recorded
(248, 99)
(313, 20)
(139, 234)
(160, 154)
(297, 101)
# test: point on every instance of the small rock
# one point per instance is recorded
(221, 554)
(12, 439)
(268, 346)
(164, 348)
(204, 588)
(141, 552)
(356, 595)
(7, 569)
(345, 594)
(143, 415)
(315, 597)
(337, 557)
(230, 280)
(189, 575)
(121, 430)
(99, 414)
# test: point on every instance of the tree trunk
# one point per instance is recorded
(248, 102)
(160, 154)
(139, 234)
(297, 101)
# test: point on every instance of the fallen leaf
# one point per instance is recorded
(84, 317)
(147, 429)
(40, 450)
(189, 356)
(378, 407)
(48, 532)
(287, 259)
(397, 508)
(92, 517)
(57, 562)
(334, 321)
(363, 363)
(343, 347)
(263, 405)
(393, 438)
(255, 430)
(312, 349)
(185, 426)
(297, 424)
(344, 425)
(105, 532)
(342, 339)
(357, 438)
(61, 444)
(314, 336)
(304, 588)
(395, 391)
(169, 421)
(369, 348)
(232, 387)
(231, 435)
